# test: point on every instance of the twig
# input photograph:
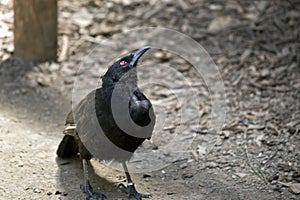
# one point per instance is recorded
(273, 155)
(269, 88)
(256, 171)
(64, 50)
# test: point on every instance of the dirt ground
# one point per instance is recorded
(256, 155)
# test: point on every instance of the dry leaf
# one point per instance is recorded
(241, 175)
(219, 23)
(258, 127)
(250, 117)
(245, 55)
(163, 56)
(295, 188)
(258, 140)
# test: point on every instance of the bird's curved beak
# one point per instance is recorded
(137, 55)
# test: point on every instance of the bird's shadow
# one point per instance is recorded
(70, 177)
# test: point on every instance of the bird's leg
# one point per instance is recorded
(86, 187)
(130, 189)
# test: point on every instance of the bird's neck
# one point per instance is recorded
(121, 90)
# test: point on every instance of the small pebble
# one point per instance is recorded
(146, 175)
(57, 192)
(184, 165)
(187, 175)
(36, 190)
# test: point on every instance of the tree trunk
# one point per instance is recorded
(35, 29)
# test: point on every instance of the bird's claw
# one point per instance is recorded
(88, 190)
(131, 191)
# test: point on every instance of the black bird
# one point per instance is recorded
(110, 123)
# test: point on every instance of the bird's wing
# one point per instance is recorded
(85, 115)
(81, 113)
(98, 131)
(70, 119)
(70, 126)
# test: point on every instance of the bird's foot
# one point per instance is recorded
(88, 190)
(131, 191)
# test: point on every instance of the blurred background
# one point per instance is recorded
(255, 45)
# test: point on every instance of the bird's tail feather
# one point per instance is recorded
(68, 147)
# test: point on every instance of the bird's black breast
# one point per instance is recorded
(140, 109)
(136, 132)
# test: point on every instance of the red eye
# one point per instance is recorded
(123, 62)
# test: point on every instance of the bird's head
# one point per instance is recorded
(123, 71)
